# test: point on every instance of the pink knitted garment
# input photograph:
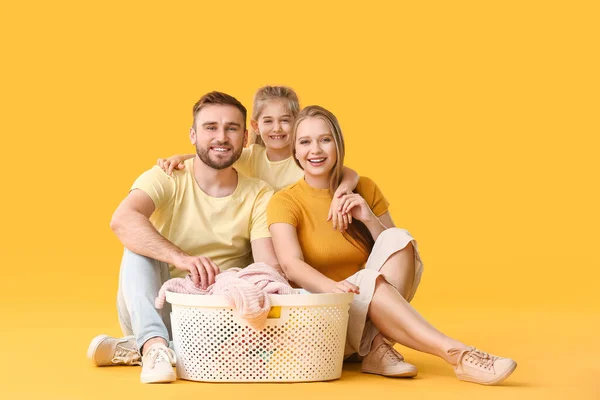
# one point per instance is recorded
(247, 289)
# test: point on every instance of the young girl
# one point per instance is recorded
(372, 258)
(269, 158)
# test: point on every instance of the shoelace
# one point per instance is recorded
(391, 353)
(126, 356)
(475, 356)
(160, 354)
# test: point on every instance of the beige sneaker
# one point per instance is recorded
(479, 367)
(157, 364)
(385, 360)
(105, 350)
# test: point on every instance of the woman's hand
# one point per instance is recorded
(344, 287)
(171, 163)
(339, 220)
(356, 207)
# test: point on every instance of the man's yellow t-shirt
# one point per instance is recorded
(279, 174)
(220, 228)
(334, 254)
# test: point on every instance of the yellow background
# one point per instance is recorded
(479, 120)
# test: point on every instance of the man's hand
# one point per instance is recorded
(202, 269)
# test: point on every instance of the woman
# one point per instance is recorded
(320, 259)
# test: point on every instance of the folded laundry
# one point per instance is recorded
(246, 288)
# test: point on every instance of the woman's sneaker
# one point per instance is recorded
(157, 364)
(385, 360)
(476, 366)
(105, 350)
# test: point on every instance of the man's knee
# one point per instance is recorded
(140, 269)
(131, 259)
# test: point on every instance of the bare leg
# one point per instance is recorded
(399, 321)
(399, 270)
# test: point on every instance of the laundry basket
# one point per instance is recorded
(303, 340)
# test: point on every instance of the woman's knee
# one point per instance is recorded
(380, 281)
(395, 235)
(400, 260)
(408, 252)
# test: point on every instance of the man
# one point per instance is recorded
(201, 220)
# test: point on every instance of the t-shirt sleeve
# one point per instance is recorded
(243, 164)
(283, 209)
(373, 196)
(259, 228)
(156, 184)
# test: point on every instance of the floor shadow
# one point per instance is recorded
(509, 383)
(352, 371)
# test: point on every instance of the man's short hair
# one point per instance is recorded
(218, 98)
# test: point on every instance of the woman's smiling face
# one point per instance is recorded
(315, 147)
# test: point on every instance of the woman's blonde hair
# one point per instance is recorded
(357, 230)
(267, 93)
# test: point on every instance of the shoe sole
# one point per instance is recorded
(405, 374)
(94, 346)
(488, 383)
(159, 378)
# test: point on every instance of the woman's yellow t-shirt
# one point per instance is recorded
(334, 254)
(278, 174)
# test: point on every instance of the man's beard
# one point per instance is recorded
(203, 154)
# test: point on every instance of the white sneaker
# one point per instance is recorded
(157, 364)
(105, 350)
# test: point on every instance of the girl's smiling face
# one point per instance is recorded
(275, 125)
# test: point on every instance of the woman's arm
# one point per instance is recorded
(356, 206)
(375, 226)
(291, 259)
(386, 219)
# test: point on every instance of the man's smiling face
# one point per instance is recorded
(219, 135)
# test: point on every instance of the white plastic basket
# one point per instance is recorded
(303, 340)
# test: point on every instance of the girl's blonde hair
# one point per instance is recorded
(357, 230)
(267, 93)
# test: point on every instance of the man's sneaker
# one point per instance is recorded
(384, 360)
(476, 366)
(105, 350)
(157, 364)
